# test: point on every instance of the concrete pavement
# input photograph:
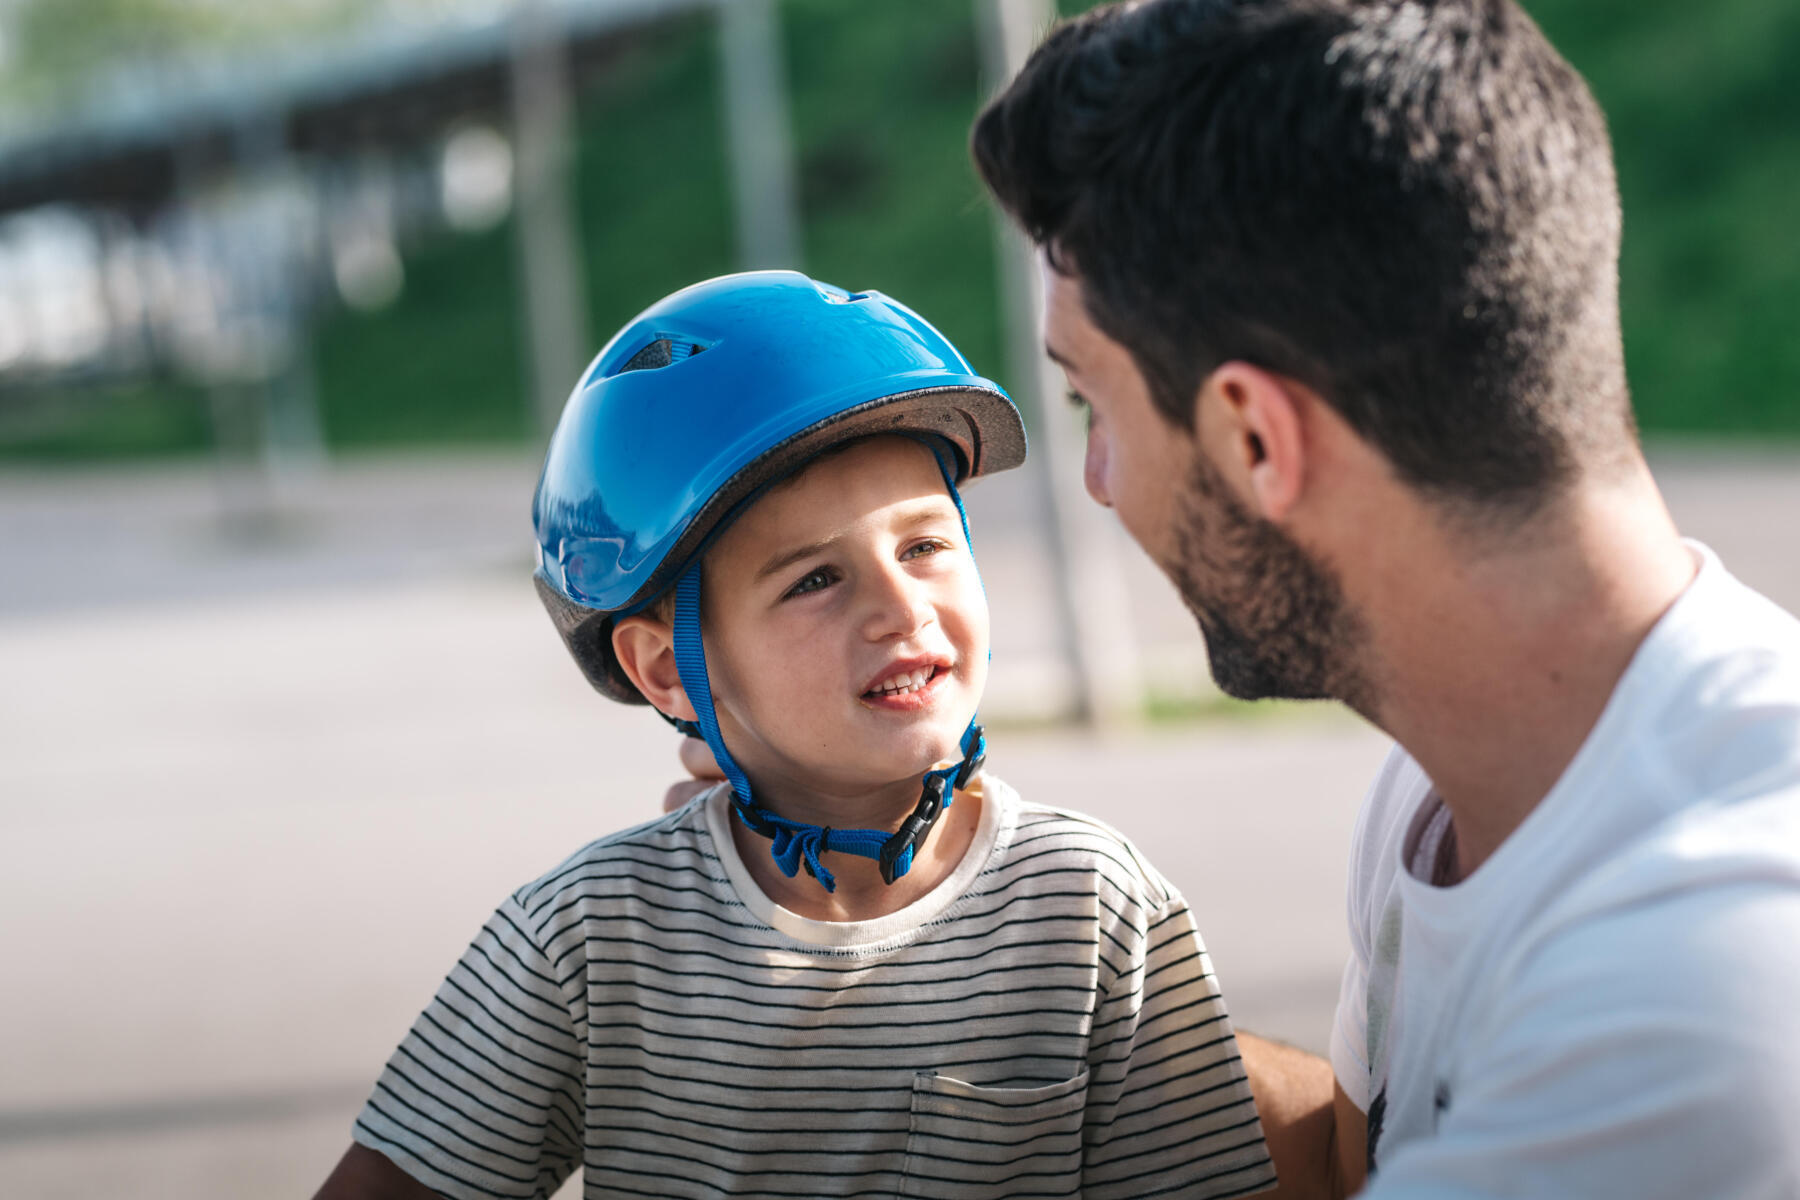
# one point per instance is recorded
(256, 793)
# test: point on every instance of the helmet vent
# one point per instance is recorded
(661, 353)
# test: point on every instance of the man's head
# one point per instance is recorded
(846, 630)
(1405, 210)
(1275, 620)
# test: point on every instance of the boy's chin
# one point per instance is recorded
(886, 760)
(941, 740)
(928, 758)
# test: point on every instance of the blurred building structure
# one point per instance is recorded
(196, 231)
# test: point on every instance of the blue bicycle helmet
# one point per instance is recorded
(700, 402)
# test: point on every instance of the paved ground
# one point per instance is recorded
(257, 787)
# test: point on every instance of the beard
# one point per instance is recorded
(1274, 618)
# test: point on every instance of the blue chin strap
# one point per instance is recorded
(796, 844)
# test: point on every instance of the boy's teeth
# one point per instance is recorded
(909, 682)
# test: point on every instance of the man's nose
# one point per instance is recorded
(1093, 471)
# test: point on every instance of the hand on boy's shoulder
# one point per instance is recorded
(698, 760)
(365, 1174)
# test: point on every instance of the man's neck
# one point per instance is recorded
(1498, 655)
(862, 895)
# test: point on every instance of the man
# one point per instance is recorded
(1337, 283)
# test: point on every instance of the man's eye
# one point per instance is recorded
(812, 581)
(1080, 404)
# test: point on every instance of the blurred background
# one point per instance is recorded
(290, 294)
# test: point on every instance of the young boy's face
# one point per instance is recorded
(846, 630)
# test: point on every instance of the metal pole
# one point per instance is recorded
(291, 428)
(1093, 609)
(756, 122)
(547, 239)
(246, 507)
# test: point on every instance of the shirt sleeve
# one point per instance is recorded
(483, 1097)
(1397, 788)
(1652, 1053)
(1350, 1030)
(1169, 1107)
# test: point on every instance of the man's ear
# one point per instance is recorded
(1251, 424)
(645, 648)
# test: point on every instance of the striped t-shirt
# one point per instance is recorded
(1043, 1023)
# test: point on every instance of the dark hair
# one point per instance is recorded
(1407, 206)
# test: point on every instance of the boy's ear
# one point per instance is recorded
(645, 648)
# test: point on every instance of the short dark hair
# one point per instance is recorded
(1407, 205)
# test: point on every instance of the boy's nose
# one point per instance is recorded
(898, 605)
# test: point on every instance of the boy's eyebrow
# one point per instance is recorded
(1056, 356)
(918, 515)
(788, 558)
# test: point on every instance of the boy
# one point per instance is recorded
(861, 967)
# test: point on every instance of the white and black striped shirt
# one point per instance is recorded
(1043, 1023)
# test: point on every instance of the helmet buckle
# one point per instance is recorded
(913, 830)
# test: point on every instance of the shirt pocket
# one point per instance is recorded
(966, 1141)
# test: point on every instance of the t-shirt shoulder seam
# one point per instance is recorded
(1158, 894)
(663, 834)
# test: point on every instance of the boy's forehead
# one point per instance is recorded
(840, 487)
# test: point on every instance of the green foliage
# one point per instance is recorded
(105, 422)
(1706, 126)
(652, 191)
(440, 366)
(883, 96)
(1210, 705)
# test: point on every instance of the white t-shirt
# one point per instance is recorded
(1045, 1022)
(1610, 1004)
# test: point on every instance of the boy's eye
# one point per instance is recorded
(932, 546)
(812, 581)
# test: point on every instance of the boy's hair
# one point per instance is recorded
(663, 607)
(1408, 207)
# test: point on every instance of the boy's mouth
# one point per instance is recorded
(905, 684)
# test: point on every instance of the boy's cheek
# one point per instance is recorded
(974, 608)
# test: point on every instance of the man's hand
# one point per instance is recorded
(363, 1174)
(1309, 1124)
(697, 758)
